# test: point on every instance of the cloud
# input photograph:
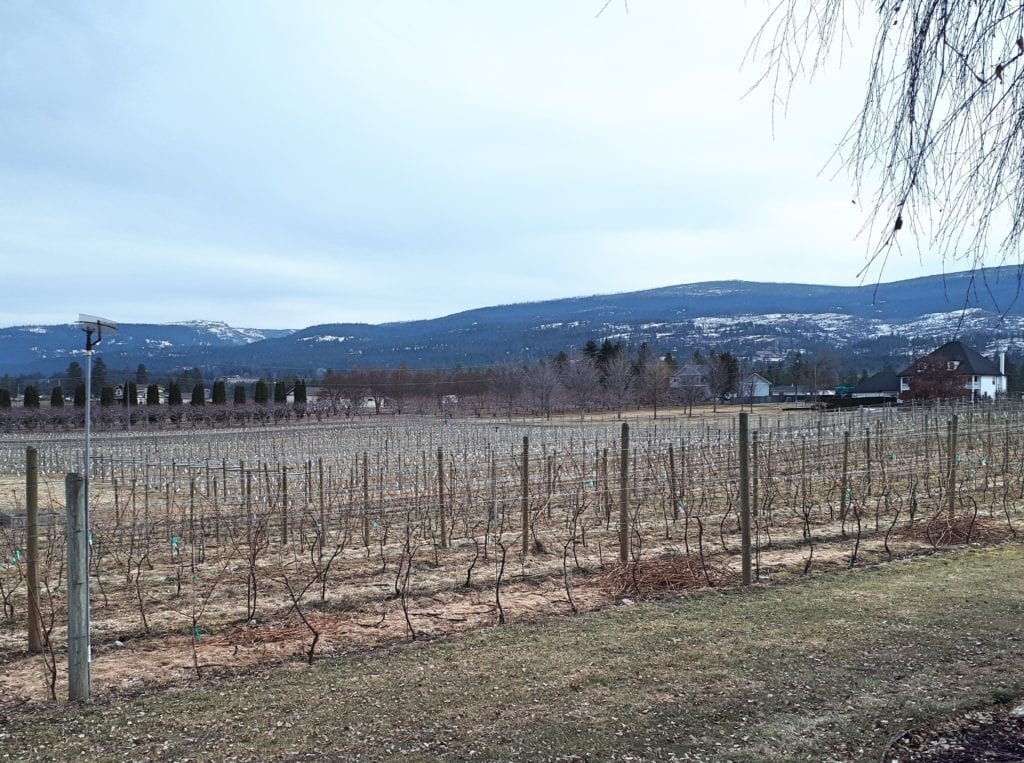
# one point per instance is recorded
(279, 165)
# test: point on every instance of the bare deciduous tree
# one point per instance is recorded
(619, 382)
(507, 385)
(655, 376)
(581, 381)
(940, 130)
(542, 387)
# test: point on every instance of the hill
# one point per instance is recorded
(871, 325)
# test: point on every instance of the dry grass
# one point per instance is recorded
(828, 668)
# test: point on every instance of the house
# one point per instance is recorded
(882, 384)
(754, 387)
(691, 382)
(954, 369)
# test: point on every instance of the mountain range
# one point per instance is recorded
(868, 326)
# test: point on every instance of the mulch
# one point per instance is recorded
(656, 576)
(986, 735)
(939, 531)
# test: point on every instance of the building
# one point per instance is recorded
(691, 382)
(754, 388)
(883, 384)
(954, 368)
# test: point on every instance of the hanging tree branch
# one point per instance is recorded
(940, 135)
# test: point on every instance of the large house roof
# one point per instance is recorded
(883, 381)
(969, 362)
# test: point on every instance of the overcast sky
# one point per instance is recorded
(279, 165)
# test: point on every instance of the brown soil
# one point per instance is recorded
(150, 662)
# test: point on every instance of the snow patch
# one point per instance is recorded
(325, 338)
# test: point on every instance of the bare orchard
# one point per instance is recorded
(220, 549)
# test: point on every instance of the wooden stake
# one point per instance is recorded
(745, 497)
(624, 496)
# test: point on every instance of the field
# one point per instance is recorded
(216, 551)
(839, 666)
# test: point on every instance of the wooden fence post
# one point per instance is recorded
(526, 495)
(844, 484)
(745, 496)
(673, 495)
(624, 496)
(951, 482)
(442, 519)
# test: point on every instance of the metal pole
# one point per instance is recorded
(35, 639)
(78, 590)
(84, 488)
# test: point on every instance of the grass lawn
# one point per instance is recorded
(828, 668)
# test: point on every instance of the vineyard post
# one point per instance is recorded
(867, 455)
(321, 530)
(366, 500)
(745, 495)
(845, 482)
(79, 655)
(525, 491)
(755, 474)
(492, 510)
(284, 505)
(35, 639)
(682, 474)
(442, 519)
(951, 483)
(672, 483)
(624, 496)
(606, 493)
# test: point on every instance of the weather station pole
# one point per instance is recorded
(78, 534)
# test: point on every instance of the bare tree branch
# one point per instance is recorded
(940, 134)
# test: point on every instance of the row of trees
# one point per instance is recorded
(262, 394)
(611, 380)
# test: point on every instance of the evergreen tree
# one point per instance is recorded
(608, 352)
(153, 394)
(75, 374)
(141, 375)
(99, 373)
(643, 357)
(300, 392)
(220, 392)
(174, 394)
(31, 399)
(591, 350)
(280, 392)
(261, 394)
(79, 395)
(5, 398)
(57, 397)
(106, 396)
(239, 394)
(132, 393)
(198, 396)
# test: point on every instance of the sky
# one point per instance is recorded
(280, 165)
